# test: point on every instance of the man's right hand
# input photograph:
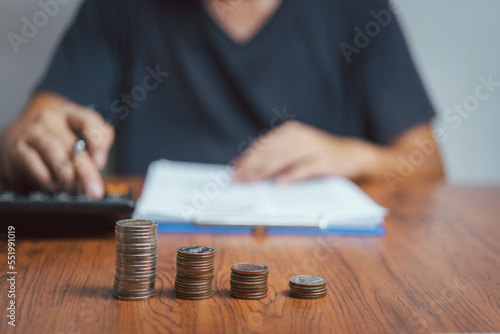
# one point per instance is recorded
(36, 151)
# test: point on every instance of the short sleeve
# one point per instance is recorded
(395, 98)
(86, 66)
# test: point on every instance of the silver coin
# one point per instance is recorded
(142, 287)
(125, 236)
(135, 277)
(127, 284)
(307, 280)
(146, 273)
(133, 293)
(133, 285)
(136, 270)
(121, 249)
(137, 255)
(152, 246)
(136, 274)
(130, 252)
(131, 258)
(129, 269)
(143, 246)
(121, 275)
(196, 250)
(132, 268)
(128, 233)
(135, 298)
(187, 285)
(136, 223)
(137, 265)
(195, 264)
(137, 240)
(181, 295)
(249, 267)
(136, 280)
(135, 229)
(137, 250)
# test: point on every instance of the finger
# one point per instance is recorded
(32, 169)
(266, 166)
(266, 159)
(88, 175)
(301, 170)
(56, 157)
(98, 134)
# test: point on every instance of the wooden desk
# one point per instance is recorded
(437, 270)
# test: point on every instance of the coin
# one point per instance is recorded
(247, 296)
(195, 272)
(308, 287)
(249, 280)
(249, 268)
(190, 297)
(134, 298)
(136, 259)
(307, 297)
(196, 251)
(307, 280)
(135, 223)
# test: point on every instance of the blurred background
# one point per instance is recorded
(455, 45)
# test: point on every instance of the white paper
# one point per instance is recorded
(205, 194)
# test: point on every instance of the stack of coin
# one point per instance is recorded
(307, 287)
(249, 280)
(136, 259)
(195, 272)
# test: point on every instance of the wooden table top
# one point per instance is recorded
(436, 271)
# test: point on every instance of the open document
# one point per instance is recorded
(187, 196)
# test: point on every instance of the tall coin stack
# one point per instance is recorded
(136, 259)
(307, 287)
(249, 280)
(195, 272)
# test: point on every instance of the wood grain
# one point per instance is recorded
(436, 271)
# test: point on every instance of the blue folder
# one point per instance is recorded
(192, 228)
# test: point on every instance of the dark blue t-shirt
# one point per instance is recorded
(176, 86)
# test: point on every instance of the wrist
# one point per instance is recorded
(370, 159)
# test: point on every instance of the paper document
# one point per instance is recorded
(204, 194)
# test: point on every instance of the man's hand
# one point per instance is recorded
(296, 151)
(37, 150)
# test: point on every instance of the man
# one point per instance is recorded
(199, 80)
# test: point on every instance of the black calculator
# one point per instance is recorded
(42, 208)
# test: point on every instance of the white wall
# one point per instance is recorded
(20, 71)
(453, 42)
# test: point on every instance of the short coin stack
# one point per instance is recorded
(195, 272)
(136, 259)
(307, 287)
(249, 280)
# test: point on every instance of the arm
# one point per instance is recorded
(36, 150)
(296, 151)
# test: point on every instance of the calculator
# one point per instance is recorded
(41, 207)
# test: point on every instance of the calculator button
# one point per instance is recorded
(7, 196)
(38, 196)
(82, 198)
(62, 196)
